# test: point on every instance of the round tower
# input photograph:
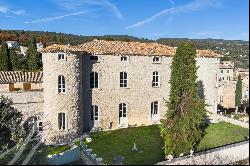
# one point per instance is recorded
(61, 86)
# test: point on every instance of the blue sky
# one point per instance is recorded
(224, 19)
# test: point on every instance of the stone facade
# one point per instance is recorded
(76, 102)
(226, 94)
(68, 102)
(68, 98)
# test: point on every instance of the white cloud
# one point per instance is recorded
(89, 5)
(192, 6)
(54, 18)
(4, 9)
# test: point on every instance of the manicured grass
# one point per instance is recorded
(120, 143)
(109, 144)
(221, 134)
(57, 149)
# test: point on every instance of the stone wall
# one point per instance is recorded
(219, 156)
(29, 103)
(226, 94)
(139, 94)
(55, 102)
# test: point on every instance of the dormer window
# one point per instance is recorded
(93, 58)
(156, 59)
(124, 58)
(61, 57)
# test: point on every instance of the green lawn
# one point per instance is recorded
(109, 144)
(57, 149)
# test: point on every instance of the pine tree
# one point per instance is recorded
(4, 58)
(34, 58)
(238, 94)
(183, 122)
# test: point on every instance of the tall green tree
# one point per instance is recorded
(14, 60)
(5, 64)
(34, 57)
(238, 94)
(185, 116)
(10, 125)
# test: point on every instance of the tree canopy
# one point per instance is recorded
(184, 119)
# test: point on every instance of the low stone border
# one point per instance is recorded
(218, 156)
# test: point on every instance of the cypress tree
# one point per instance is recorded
(14, 62)
(4, 58)
(238, 94)
(185, 117)
(33, 56)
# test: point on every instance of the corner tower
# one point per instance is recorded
(62, 97)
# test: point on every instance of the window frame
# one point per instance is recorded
(62, 121)
(154, 104)
(95, 58)
(94, 84)
(156, 80)
(61, 84)
(123, 79)
(94, 114)
(157, 61)
(123, 110)
(124, 58)
(61, 56)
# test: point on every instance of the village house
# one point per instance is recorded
(20, 81)
(226, 71)
(227, 84)
(13, 44)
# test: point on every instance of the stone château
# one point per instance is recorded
(111, 85)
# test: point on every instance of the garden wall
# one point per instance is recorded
(218, 156)
(233, 121)
(29, 103)
(65, 157)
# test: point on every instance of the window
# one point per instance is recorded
(221, 99)
(61, 84)
(40, 126)
(156, 59)
(61, 57)
(94, 80)
(61, 121)
(94, 112)
(155, 81)
(123, 79)
(227, 71)
(154, 108)
(228, 78)
(221, 71)
(93, 58)
(124, 58)
(122, 110)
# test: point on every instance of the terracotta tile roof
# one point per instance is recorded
(20, 76)
(124, 48)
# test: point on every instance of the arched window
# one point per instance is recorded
(93, 80)
(61, 121)
(61, 84)
(123, 79)
(155, 81)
